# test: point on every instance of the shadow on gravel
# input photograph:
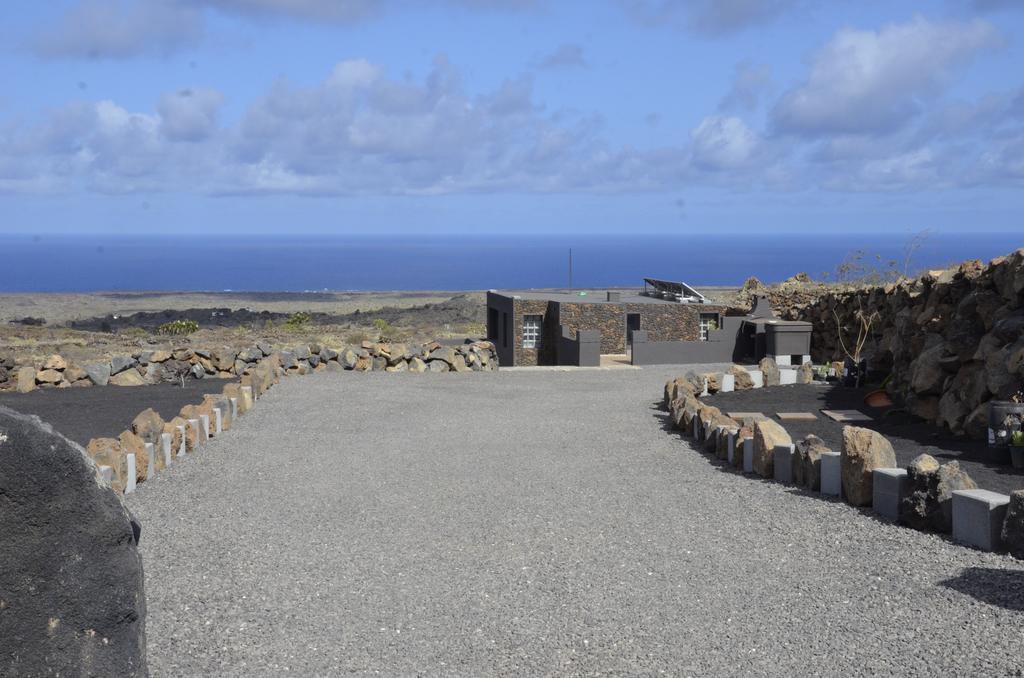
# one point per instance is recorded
(1003, 588)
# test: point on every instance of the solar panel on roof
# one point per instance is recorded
(675, 291)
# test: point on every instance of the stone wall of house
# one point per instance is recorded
(952, 340)
(662, 322)
(546, 354)
(185, 362)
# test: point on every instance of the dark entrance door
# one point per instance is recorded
(632, 323)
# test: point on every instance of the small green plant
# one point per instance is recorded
(1017, 439)
(297, 321)
(178, 327)
(384, 330)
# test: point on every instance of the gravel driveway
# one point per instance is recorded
(534, 523)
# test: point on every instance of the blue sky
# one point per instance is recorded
(511, 116)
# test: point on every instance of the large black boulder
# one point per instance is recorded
(71, 585)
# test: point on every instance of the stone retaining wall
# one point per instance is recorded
(952, 339)
(926, 495)
(184, 362)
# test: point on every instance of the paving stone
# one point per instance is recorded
(846, 415)
(796, 416)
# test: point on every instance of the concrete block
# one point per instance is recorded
(804, 359)
(165, 445)
(787, 377)
(197, 426)
(234, 408)
(748, 455)
(204, 423)
(129, 484)
(978, 518)
(247, 395)
(889, 485)
(151, 453)
(731, 447)
(218, 421)
(757, 377)
(182, 446)
(831, 475)
(782, 360)
(728, 383)
(107, 473)
(783, 456)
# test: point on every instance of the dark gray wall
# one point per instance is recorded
(582, 350)
(721, 347)
(504, 343)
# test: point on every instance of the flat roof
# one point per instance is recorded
(591, 297)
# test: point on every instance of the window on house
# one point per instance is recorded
(531, 331)
(708, 323)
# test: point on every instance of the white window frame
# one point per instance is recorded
(532, 325)
(704, 318)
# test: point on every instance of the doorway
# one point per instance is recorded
(632, 324)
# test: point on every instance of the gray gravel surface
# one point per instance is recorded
(535, 523)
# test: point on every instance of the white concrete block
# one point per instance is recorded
(234, 408)
(107, 473)
(151, 453)
(129, 481)
(978, 518)
(757, 377)
(831, 475)
(728, 383)
(197, 426)
(165, 445)
(732, 447)
(181, 447)
(204, 422)
(787, 377)
(783, 458)
(748, 455)
(889, 486)
(247, 393)
(218, 419)
(804, 359)
(782, 360)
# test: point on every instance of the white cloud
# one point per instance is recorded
(724, 143)
(97, 29)
(358, 131)
(565, 56)
(189, 114)
(710, 17)
(874, 81)
(750, 83)
(341, 11)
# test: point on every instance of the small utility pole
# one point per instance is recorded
(570, 269)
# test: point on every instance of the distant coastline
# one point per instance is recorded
(309, 264)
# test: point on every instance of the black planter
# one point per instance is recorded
(854, 373)
(1004, 417)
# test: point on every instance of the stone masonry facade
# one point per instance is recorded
(662, 322)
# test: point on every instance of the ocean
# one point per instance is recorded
(54, 263)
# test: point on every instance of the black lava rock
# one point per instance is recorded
(71, 585)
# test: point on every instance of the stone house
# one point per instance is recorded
(664, 323)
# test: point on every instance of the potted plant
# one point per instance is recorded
(1017, 449)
